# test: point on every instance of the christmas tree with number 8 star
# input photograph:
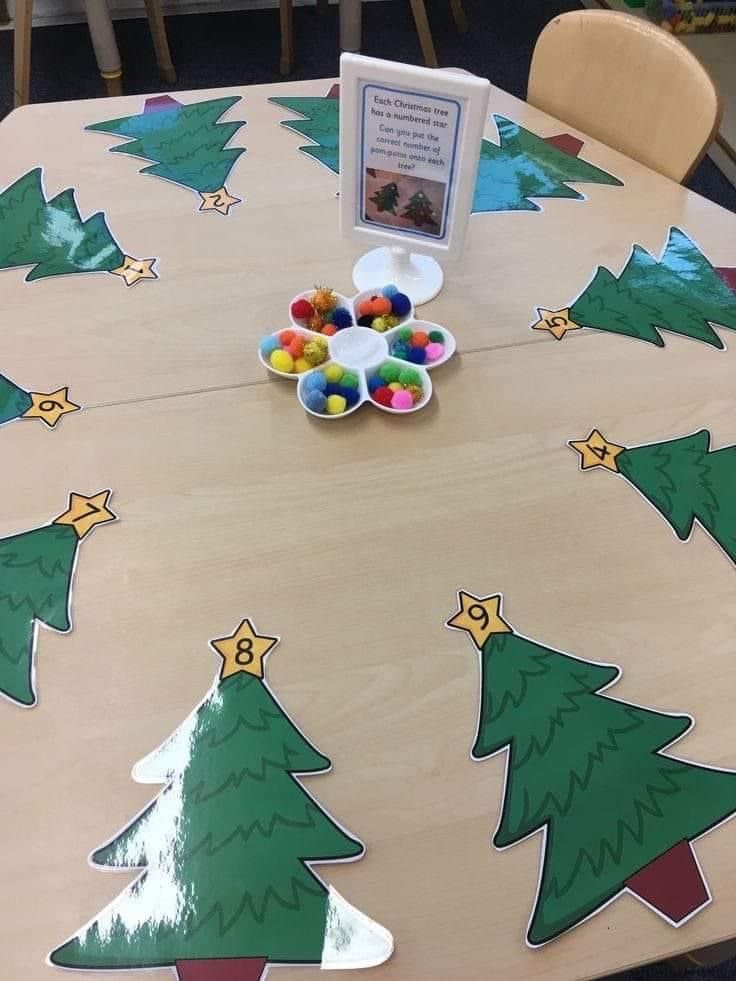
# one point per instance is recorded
(591, 773)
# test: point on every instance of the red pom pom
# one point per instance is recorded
(301, 310)
(383, 395)
(419, 339)
(329, 329)
(286, 337)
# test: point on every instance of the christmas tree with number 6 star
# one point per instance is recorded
(225, 852)
(17, 403)
(618, 811)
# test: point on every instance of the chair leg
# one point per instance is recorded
(425, 35)
(461, 21)
(4, 15)
(22, 51)
(286, 11)
(101, 31)
(157, 27)
(322, 7)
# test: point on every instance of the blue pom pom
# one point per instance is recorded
(400, 304)
(351, 395)
(375, 382)
(390, 290)
(416, 355)
(315, 382)
(332, 389)
(315, 400)
(341, 318)
(268, 345)
(400, 351)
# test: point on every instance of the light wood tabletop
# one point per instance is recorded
(349, 539)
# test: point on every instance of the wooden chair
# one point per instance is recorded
(628, 84)
(286, 13)
(419, 10)
(103, 40)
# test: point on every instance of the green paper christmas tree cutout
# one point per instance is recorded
(36, 571)
(320, 124)
(186, 142)
(590, 772)
(386, 197)
(420, 210)
(17, 403)
(14, 401)
(683, 478)
(525, 166)
(227, 846)
(681, 293)
(51, 236)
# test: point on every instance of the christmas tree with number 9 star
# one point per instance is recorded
(590, 772)
(227, 847)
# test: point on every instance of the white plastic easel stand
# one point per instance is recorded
(419, 276)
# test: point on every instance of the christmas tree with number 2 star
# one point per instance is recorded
(226, 849)
(590, 772)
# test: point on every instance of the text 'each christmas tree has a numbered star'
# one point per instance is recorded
(49, 234)
(36, 573)
(590, 773)
(225, 851)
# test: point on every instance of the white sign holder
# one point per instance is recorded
(409, 146)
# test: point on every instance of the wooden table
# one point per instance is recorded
(350, 539)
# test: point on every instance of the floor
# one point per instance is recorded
(242, 47)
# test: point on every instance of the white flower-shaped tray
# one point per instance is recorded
(363, 351)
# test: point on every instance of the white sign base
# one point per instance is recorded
(419, 276)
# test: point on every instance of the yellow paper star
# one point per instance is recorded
(557, 322)
(244, 650)
(220, 201)
(596, 451)
(84, 513)
(479, 616)
(49, 407)
(134, 270)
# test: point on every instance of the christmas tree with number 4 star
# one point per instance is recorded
(595, 775)
(226, 850)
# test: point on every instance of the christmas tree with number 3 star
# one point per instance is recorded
(594, 775)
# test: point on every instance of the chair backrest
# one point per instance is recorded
(628, 84)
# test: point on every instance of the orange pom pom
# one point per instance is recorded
(286, 337)
(296, 348)
(419, 339)
(329, 329)
(374, 306)
(324, 300)
(315, 323)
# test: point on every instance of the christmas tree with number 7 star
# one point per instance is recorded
(225, 851)
(596, 776)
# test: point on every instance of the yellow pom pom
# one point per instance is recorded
(282, 361)
(301, 364)
(333, 373)
(336, 405)
(391, 320)
(395, 386)
(379, 324)
(315, 353)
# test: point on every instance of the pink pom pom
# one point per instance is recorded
(434, 351)
(402, 400)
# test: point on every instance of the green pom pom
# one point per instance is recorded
(436, 337)
(389, 372)
(410, 377)
(349, 380)
(404, 334)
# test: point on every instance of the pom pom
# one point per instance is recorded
(410, 376)
(351, 395)
(321, 342)
(402, 400)
(379, 324)
(400, 304)
(333, 373)
(436, 337)
(315, 382)
(349, 380)
(389, 372)
(332, 388)
(404, 334)
(324, 300)
(314, 353)
(341, 318)
(395, 386)
(419, 338)
(301, 364)
(296, 348)
(416, 355)
(329, 330)
(374, 306)
(434, 351)
(315, 323)
(315, 400)
(383, 396)
(268, 344)
(365, 321)
(392, 320)
(302, 309)
(416, 392)
(400, 351)
(282, 361)
(336, 405)
(286, 337)
(390, 290)
(375, 383)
